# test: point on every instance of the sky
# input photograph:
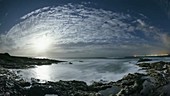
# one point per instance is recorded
(83, 28)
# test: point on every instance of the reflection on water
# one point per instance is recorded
(89, 70)
(43, 72)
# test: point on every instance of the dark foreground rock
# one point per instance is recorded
(12, 85)
(12, 62)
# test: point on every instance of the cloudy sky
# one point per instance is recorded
(83, 28)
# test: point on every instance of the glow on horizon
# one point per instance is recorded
(152, 55)
(157, 55)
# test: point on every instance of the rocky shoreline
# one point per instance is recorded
(15, 62)
(155, 82)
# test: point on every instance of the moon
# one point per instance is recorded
(42, 44)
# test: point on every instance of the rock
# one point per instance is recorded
(14, 62)
(110, 91)
(97, 86)
(131, 84)
(147, 88)
(35, 91)
(147, 65)
(6, 54)
(33, 80)
(144, 60)
(24, 84)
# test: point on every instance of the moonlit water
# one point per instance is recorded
(88, 70)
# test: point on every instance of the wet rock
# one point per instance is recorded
(24, 84)
(131, 84)
(147, 88)
(110, 91)
(144, 65)
(33, 80)
(97, 86)
(144, 60)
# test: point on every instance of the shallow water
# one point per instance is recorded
(89, 70)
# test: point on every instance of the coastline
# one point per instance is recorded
(156, 82)
(15, 62)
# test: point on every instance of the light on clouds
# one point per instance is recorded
(73, 30)
(42, 44)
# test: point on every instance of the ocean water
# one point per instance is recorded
(88, 70)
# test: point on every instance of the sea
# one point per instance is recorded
(87, 70)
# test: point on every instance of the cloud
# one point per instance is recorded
(141, 22)
(77, 28)
(165, 38)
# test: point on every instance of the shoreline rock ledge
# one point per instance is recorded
(16, 62)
